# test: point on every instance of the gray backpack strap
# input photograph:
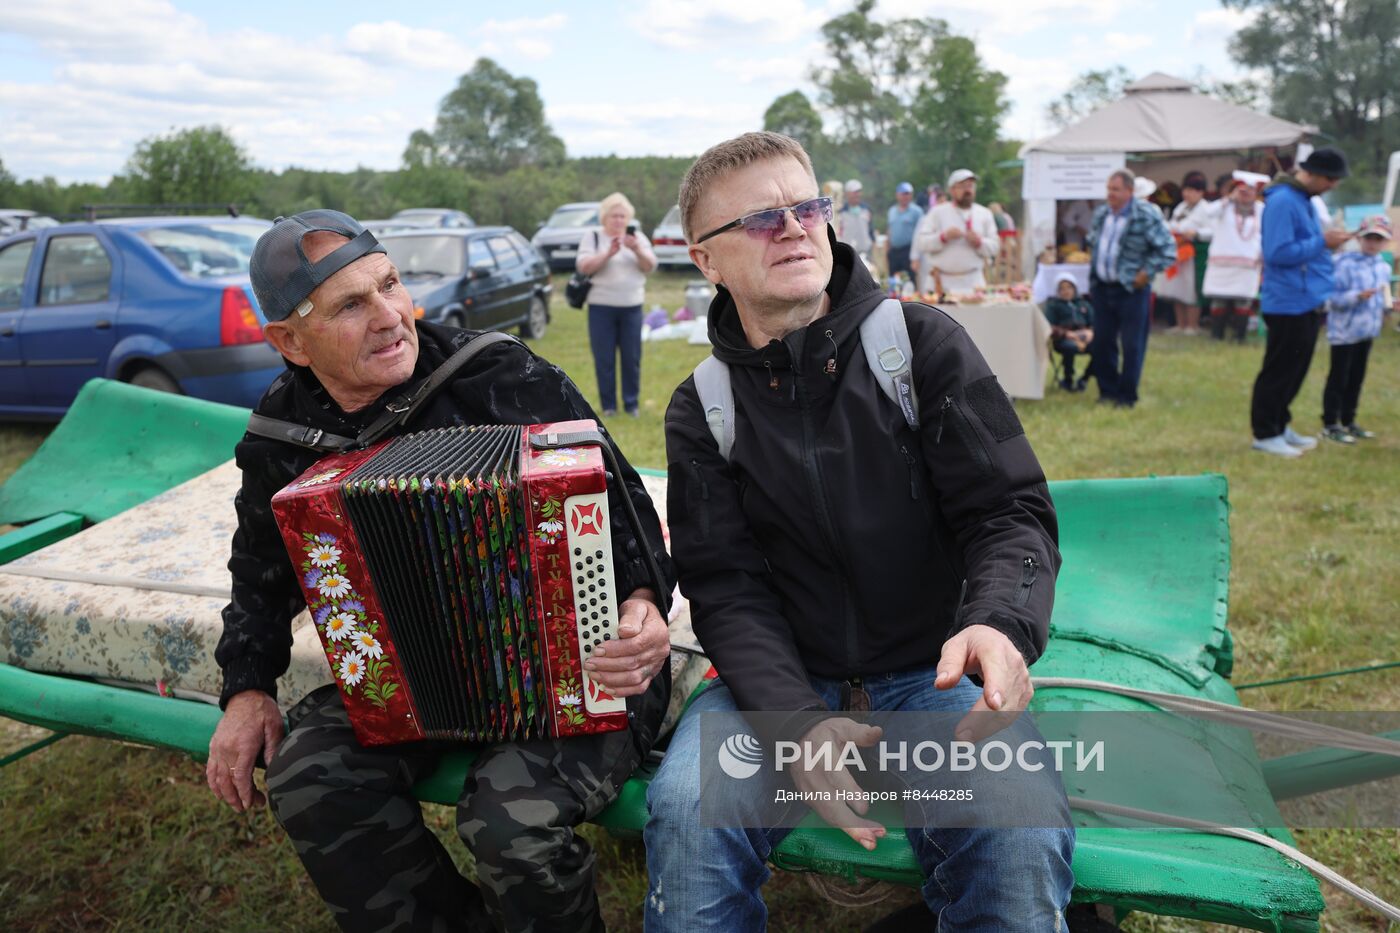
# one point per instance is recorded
(717, 399)
(885, 337)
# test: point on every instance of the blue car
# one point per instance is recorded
(161, 302)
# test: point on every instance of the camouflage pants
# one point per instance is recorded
(357, 827)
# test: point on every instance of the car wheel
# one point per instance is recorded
(152, 378)
(538, 320)
(455, 319)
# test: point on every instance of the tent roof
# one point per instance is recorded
(1161, 113)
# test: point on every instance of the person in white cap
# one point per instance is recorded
(956, 240)
(1143, 189)
(855, 224)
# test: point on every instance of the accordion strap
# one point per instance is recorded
(395, 413)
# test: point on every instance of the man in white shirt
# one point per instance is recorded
(855, 224)
(956, 240)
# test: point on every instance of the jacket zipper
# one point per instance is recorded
(828, 528)
(947, 404)
(910, 463)
(1029, 568)
(704, 499)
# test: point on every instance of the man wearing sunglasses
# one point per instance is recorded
(838, 559)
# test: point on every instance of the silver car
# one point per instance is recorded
(558, 238)
(13, 220)
(668, 242)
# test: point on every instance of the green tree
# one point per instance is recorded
(1333, 64)
(7, 184)
(958, 112)
(793, 115)
(201, 164)
(490, 122)
(878, 69)
(912, 100)
(1087, 93)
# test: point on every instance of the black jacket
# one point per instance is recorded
(837, 541)
(505, 384)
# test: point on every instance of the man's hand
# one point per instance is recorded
(251, 723)
(1006, 683)
(952, 233)
(1366, 293)
(1335, 238)
(1141, 279)
(974, 240)
(819, 784)
(626, 666)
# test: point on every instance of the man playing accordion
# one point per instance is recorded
(343, 321)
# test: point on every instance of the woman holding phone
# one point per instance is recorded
(617, 258)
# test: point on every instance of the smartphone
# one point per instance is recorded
(631, 229)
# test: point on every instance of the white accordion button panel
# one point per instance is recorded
(595, 606)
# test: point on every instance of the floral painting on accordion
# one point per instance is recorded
(351, 638)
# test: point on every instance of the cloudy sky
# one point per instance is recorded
(335, 86)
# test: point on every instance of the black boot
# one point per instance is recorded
(1239, 325)
(1217, 323)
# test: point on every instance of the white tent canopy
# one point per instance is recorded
(1160, 117)
(1165, 114)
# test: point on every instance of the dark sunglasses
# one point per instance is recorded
(771, 222)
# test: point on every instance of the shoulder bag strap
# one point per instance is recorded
(395, 413)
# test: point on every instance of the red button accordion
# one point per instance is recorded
(458, 578)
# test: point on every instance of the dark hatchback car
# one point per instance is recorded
(484, 278)
(161, 302)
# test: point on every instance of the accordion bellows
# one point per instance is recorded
(458, 578)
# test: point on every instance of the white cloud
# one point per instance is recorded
(526, 37)
(123, 72)
(719, 23)
(128, 31)
(1007, 17)
(786, 71)
(672, 126)
(1121, 43)
(1218, 25)
(393, 43)
(1031, 84)
(527, 26)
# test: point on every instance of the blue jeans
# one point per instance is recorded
(613, 330)
(1119, 314)
(976, 879)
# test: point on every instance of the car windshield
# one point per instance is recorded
(573, 217)
(203, 251)
(672, 218)
(425, 255)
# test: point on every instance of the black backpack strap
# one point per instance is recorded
(299, 434)
(397, 412)
(401, 409)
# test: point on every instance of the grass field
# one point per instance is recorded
(97, 835)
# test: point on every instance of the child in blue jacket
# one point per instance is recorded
(1355, 314)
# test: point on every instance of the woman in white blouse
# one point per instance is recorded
(1190, 219)
(617, 258)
